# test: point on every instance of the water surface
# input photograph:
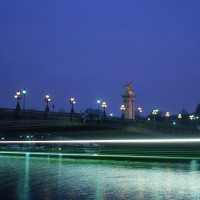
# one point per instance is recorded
(27, 178)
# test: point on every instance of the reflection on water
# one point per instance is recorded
(27, 178)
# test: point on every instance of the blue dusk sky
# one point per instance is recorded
(91, 48)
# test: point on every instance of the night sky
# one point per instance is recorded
(90, 49)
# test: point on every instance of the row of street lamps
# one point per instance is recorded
(167, 115)
(47, 99)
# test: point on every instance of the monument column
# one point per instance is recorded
(128, 99)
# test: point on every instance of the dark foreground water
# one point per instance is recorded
(27, 178)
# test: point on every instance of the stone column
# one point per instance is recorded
(128, 99)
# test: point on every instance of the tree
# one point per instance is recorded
(91, 115)
(197, 111)
(156, 115)
(185, 116)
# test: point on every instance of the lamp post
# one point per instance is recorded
(167, 115)
(122, 108)
(104, 106)
(24, 93)
(154, 113)
(98, 102)
(47, 100)
(72, 102)
(18, 97)
(179, 116)
(139, 112)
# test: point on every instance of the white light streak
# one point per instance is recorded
(133, 141)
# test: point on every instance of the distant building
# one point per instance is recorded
(128, 99)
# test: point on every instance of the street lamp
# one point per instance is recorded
(154, 113)
(122, 108)
(139, 111)
(167, 115)
(98, 102)
(18, 97)
(72, 102)
(104, 106)
(179, 116)
(24, 93)
(47, 100)
(192, 117)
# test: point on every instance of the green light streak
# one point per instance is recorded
(96, 155)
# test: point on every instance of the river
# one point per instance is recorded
(46, 178)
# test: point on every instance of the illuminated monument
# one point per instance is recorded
(128, 101)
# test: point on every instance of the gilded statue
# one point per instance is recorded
(128, 87)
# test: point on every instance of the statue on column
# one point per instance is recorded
(128, 87)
